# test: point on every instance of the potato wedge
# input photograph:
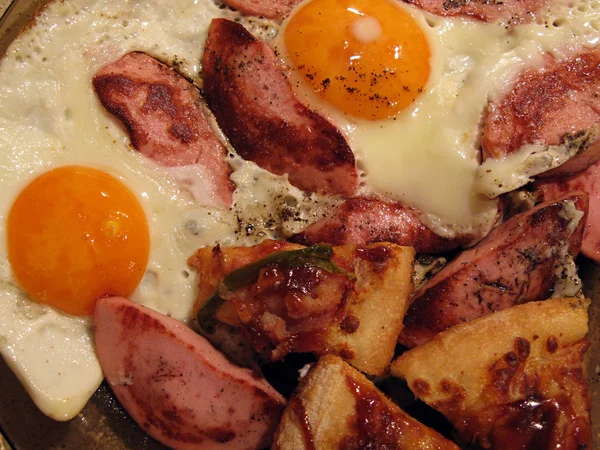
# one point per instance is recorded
(351, 304)
(514, 379)
(335, 406)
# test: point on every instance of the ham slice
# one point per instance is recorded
(362, 221)
(166, 121)
(249, 94)
(176, 386)
(271, 9)
(518, 262)
(553, 105)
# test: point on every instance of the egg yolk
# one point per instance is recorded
(367, 58)
(76, 234)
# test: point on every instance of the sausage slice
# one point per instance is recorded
(362, 221)
(176, 386)
(164, 116)
(271, 9)
(247, 91)
(554, 105)
(518, 262)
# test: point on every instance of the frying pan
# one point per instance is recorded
(103, 424)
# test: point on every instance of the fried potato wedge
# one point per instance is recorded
(511, 380)
(351, 303)
(335, 406)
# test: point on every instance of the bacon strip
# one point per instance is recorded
(588, 181)
(547, 106)
(516, 263)
(246, 89)
(271, 9)
(362, 221)
(509, 11)
(165, 119)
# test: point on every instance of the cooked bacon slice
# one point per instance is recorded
(365, 220)
(589, 181)
(271, 9)
(164, 116)
(246, 89)
(509, 11)
(513, 380)
(548, 106)
(517, 262)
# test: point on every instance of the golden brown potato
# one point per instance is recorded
(351, 304)
(335, 406)
(511, 380)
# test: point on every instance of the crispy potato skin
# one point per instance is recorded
(514, 379)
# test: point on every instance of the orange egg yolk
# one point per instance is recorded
(76, 234)
(367, 58)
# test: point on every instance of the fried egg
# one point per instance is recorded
(415, 137)
(409, 89)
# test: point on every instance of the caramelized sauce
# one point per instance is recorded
(300, 412)
(375, 425)
(530, 425)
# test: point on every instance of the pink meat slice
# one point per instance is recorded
(516, 263)
(247, 91)
(589, 181)
(165, 118)
(362, 221)
(176, 386)
(547, 106)
(508, 11)
(271, 9)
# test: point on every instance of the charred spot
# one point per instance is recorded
(377, 256)
(522, 348)
(346, 353)
(350, 324)
(421, 387)
(183, 132)
(160, 98)
(552, 344)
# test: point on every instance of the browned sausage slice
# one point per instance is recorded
(588, 181)
(164, 116)
(516, 263)
(176, 386)
(246, 89)
(509, 11)
(271, 9)
(362, 221)
(549, 106)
